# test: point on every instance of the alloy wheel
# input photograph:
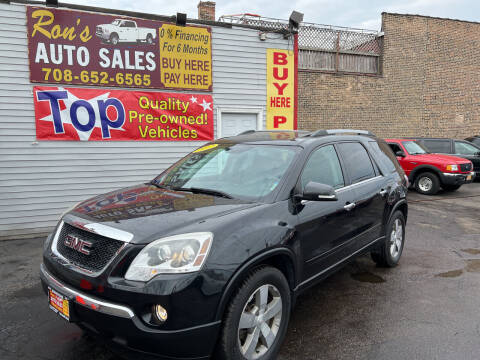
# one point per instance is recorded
(396, 238)
(425, 184)
(260, 322)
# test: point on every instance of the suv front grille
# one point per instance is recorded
(465, 167)
(102, 250)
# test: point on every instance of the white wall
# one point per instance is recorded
(39, 180)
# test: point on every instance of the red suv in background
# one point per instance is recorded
(428, 172)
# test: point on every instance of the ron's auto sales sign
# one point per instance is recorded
(95, 114)
(83, 48)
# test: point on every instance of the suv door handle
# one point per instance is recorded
(349, 206)
(383, 192)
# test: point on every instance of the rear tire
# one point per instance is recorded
(149, 39)
(451, 187)
(427, 183)
(390, 251)
(256, 320)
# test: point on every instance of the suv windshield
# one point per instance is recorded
(414, 148)
(230, 170)
(115, 22)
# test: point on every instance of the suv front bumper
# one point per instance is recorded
(457, 179)
(121, 328)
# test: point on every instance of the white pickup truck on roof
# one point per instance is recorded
(125, 31)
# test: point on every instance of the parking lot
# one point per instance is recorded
(426, 308)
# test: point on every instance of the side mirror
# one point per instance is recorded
(318, 192)
(400, 153)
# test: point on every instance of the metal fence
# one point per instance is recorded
(327, 48)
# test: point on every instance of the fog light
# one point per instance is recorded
(160, 313)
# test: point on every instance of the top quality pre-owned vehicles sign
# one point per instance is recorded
(103, 114)
(73, 47)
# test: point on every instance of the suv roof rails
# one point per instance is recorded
(341, 131)
(255, 131)
(316, 133)
(246, 132)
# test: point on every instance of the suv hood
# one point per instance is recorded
(149, 213)
(439, 159)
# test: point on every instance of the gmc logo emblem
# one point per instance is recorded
(77, 244)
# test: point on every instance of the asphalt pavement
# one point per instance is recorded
(426, 308)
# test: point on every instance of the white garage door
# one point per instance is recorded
(235, 123)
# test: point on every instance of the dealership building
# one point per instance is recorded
(61, 83)
(92, 100)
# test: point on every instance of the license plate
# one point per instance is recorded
(469, 177)
(59, 303)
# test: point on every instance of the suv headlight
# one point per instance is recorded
(174, 254)
(452, 167)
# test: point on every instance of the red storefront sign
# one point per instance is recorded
(91, 114)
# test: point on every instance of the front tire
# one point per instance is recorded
(256, 319)
(389, 253)
(427, 183)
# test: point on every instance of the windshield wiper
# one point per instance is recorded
(194, 190)
(213, 192)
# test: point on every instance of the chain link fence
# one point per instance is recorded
(324, 47)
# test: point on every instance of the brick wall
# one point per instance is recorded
(206, 10)
(430, 84)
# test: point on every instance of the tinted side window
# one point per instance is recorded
(464, 148)
(475, 140)
(323, 167)
(357, 162)
(437, 146)
(384, 153)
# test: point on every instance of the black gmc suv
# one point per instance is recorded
(209, 257)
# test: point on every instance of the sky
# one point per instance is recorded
(350, 13)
